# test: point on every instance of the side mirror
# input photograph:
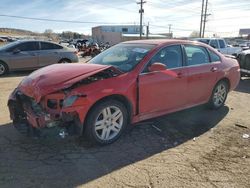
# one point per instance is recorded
(157, 67)
(16, 51)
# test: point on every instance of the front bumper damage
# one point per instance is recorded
(37, 120)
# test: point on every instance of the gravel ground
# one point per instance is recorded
(192, 148)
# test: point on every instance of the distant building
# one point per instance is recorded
(129, 29)
(114, 34)
(244, 32)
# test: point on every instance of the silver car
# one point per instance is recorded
(33, 54)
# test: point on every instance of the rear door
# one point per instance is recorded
(163, 90)
(202, 73)
(24, 55)
(50, 53)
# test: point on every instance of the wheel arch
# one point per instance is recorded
(225, 79)
(118, 97)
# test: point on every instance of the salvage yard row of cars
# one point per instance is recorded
(127, 83)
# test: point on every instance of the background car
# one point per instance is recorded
(32, 54)
(127, 83)
(2, 39)
(221, 45)
(244, 61)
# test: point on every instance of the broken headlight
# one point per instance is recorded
(68, 101)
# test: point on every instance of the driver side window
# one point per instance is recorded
(171, 56)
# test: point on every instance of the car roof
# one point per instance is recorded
(209, 38)
(30, 40)
(163, 42)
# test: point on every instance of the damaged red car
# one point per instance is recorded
(127, 83)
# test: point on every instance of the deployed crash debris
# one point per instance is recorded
(245, 136)
(239, 125)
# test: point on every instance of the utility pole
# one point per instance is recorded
(147, 32)
(205, 19)
(202, 8)
(204, 16)
(169, 30)
(141, 11)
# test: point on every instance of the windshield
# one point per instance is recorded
(123, 56)
(9, 45)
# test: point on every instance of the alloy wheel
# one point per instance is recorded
(2, 69)
(220, 95)
(108, 123)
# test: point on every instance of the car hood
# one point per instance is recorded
(55, 77)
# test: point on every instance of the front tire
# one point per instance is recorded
(219, 95)
(106, 122)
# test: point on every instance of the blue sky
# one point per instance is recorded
(225, 20)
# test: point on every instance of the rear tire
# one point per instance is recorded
(3, 68)
(64, 61)
(219, 95)
(106, 122)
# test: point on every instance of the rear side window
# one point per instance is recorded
(222, 44)
(214, 57)
(196, 55)
(26, 46)
(49, 46)
(214, 43)
(171, 56)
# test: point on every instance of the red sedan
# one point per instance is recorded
(128, 83)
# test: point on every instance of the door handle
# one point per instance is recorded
(179, 75)
(213, 69)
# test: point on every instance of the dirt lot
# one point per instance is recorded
(192, 148)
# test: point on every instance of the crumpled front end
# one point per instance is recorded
(52, 116)
(40, 108)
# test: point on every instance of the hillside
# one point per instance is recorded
(19, 32)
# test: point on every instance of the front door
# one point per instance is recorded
(164, 90)
(25, 55)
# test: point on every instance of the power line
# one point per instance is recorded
(56, 20)
(229, 18)
(173, 28)
(110, 6)
(228, 6)
(179, 5)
